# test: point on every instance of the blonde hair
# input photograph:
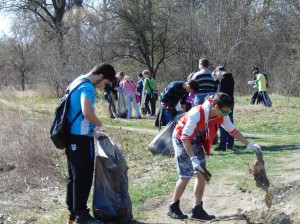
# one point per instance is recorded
(146, 72)
(127, 77)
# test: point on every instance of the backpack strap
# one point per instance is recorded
(69, 91)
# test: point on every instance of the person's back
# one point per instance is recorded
(149, 85)
(207, 85)
(226, 84)
(205, 80)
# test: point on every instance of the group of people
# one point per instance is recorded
(194, 91)
(195, 131)
(125, 90)
(192, 137)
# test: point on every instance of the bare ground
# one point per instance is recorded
(222, 198)
(236, 206)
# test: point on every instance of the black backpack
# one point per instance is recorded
(60, 127)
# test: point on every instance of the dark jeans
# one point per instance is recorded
(169, 115)
(226, 140)
(80, 158)
(111, 105)
(152, 102)
(254, 97)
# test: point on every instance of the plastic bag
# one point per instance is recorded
(122, 108)
(111, 201)
(162, 143)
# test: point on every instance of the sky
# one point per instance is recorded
(4, 24)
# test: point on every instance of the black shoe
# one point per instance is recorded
(175, 212)
(71, 218)
(86, 218)
(199, 213)
(231, 148)
(218, 149)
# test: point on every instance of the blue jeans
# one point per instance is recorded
(226, 140)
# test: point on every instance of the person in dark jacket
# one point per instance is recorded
(176, 91)
(225, 85)
(139, 86)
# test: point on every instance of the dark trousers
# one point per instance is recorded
(111, 105)
(255, 97)
(152, 102)
(226, 140)
(80, 158)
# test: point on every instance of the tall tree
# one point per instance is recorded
(145, 32)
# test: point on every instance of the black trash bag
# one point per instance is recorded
(122, 107)
(162, 143)
(111, 201)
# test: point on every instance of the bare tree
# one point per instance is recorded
(18, 52)
(145, 32)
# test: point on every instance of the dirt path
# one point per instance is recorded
(234, 206)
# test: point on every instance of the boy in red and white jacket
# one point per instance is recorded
(192, 138)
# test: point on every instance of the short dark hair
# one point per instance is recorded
(255, 68)
(194, 85)
(220, 68)
(140, 75)
(106, 70)
(204, 62)
(223, 100)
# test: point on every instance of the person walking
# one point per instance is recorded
(225, 85)
(149, 85)
(80, 146)
(262, 86)
(206, 82)
(192, 138)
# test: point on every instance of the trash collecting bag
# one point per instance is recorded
(162, 143)
(111, 201)
(122, 108)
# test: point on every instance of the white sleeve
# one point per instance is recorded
(191, 123)
(228, 125)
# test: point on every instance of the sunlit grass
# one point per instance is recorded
(276, 129)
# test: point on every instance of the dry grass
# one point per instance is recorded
(26, 160)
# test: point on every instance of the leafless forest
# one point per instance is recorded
(53, 41)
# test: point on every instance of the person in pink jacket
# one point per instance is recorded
(192, 139)
(130, 88)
